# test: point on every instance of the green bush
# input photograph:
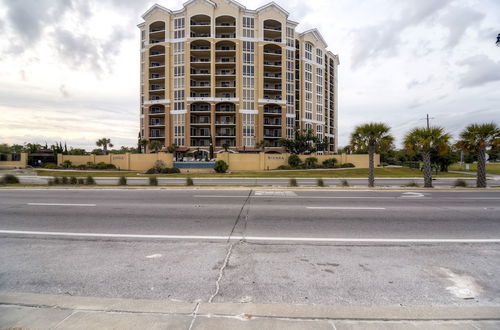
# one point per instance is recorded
(50, 166)
(460, 183)
(411, 184)
(153, 181)
(104, 166)
(311, 162)
(293, 183)
(220, 166)
(329, 163)
(320, 183)
(344, 183)
(64, 180)
(9, 179)
(122, 181)
(73, 180)
(294, 160)
(81, 181)
(170, 170)
(189, 182)
(174, 170)
(50, 182)
(57, 180)
(151, 171)
(159, 166)
(284, 167)
(66, 164)
(82, 167)
(89, 180)
(347, 165)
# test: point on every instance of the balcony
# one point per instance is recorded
(272, 40)
(225, 36)
(156, 77)
(200, 35)
(200, 59)
(156, 123)
(226, 73)
(200, 47)
(200, 72)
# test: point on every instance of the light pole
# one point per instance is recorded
(498, 40)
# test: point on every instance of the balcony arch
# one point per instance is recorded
(200, 107)
(272, 30)
(200, 45)
(225, 27)
(200, 26)
(274, 109)
(157, 50)
(157, 109)
(225, 107)
(156, 32)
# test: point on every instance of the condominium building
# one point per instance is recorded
(217, 73)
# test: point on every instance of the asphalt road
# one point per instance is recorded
(264, 246)
(381, 182)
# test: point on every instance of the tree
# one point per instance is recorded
(373, 137)
(478, 138)
(172, 148)
(262, 144)
(142, 143)
(104, 143)
(155, 145)
(304, 141)
(423, 141)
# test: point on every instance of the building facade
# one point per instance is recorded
(217, 73)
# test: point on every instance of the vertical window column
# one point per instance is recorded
(179, 120)
(248, 124)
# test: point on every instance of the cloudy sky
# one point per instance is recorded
(69, 68)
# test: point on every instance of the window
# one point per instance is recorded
(308, 50)
(248, 27)
(179, 28)
(319, 56)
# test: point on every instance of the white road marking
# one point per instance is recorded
(157, 255)
(59, 204)
(343, 208)
(259, 238)
(412, 194)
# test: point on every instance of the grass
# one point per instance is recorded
(491, 168)
(399, 172)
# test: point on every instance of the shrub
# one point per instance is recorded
(284, 167)
(57, 180)
(460, 183)
(411, 184)
(50, 182)
(151, 171)
(122, 181)
(311, 162)
(347, 165)
(64, 180)
(220, 166)
(66, 164)
(320, 183)
(170, 170)
(329, 163)
(50, 166)
(174, 170)
(189, 182)
(153, 181)
(344, 183)
(81, 181)
(9, 179)
(294, 160)
(104, 166)
(73, 180)
(82, 167)
(159, 165)
(89, 180)
(293, 183)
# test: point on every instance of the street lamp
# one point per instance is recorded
(498, 40)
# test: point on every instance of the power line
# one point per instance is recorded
(428, 120)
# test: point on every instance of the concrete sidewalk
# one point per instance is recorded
(25, 310)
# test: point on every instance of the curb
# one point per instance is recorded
(365, 313)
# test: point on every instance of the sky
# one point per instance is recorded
(70, 68)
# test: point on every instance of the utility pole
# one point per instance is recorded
(428, 120)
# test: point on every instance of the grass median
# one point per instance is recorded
(491, 168)
(402, 172)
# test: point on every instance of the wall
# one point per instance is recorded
(23, 162)
(261, 161)
(132, 162)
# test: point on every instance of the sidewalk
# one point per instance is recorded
(24, 310)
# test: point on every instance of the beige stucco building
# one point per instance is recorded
(217, 72)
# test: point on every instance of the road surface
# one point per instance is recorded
(261, 246)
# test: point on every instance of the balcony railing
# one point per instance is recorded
(157, 123)
(157, 30)
(272, 52)
(156, 41)
(224, 122)
(156, 53)
(272, 40)
(226, 24)
(201, 84)
(199, 60)
(272, 28)
(226, 73)
(200, 23)
(200, 35)
(200, 72)
(200, 47)
(225, 48)
(270, 75)
(225, 36)
(272, 63)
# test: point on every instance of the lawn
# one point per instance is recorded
(402, 172)
(491, 168)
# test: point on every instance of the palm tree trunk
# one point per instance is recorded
(426, 156)
(371, 166)
(481, 168)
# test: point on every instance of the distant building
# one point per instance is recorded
(217, 72)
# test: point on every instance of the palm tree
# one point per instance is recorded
(423, 140)
(142, 145)
(104, 143)
(155, 145)
(479, 137)
(371, 137)
(263, 144)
